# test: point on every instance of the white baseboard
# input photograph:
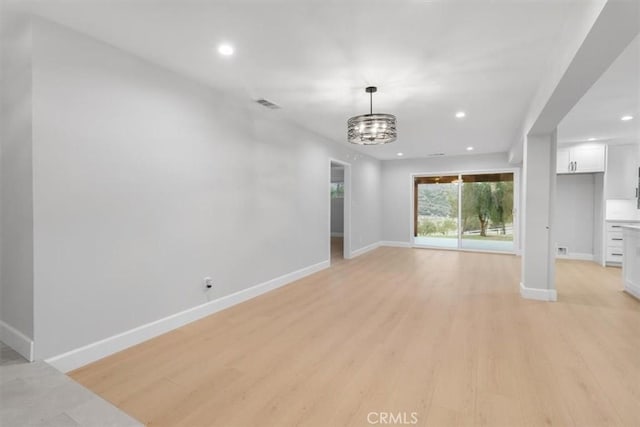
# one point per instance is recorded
(16, 340)
(364, 250)
(395, 244)
(81, 356)
(538, 294)
(577, 256)
(337, 234)
(632, 288)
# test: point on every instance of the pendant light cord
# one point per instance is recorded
(371, 103)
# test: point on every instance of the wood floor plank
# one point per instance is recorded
(441, 334)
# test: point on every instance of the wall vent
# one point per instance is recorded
(267, 104)
(562, 250)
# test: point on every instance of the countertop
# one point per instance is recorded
(624, 220)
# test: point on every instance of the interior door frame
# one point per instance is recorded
(516, 205)
(346, 231)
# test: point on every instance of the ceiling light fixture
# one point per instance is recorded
(372, 129)
(225, 49)
(399, 154)
(469, 148)
(626, 118)
(591, 139)
(461, 114)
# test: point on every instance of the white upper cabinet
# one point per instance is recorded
(622, 171)
(585, 158)
(589, 158)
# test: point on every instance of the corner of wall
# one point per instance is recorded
(538, 294)
(16, 189)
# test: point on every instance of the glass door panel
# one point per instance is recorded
(436, 211)
(486, 214)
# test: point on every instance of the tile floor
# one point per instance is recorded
(36, 394)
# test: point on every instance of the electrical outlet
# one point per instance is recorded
(208, 282)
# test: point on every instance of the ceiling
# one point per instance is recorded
(314, 58)
(615, 94)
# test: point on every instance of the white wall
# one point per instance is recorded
(337, 173)
(337, 204)
(538, 227)
(145, 182)
(337, 216)
(397, 186)
(598, 219)
(16, 223)
(576, 212)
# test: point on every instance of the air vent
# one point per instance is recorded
(268, 104)
(435, 154)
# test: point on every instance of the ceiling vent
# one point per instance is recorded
(435, 154)
(268, 104)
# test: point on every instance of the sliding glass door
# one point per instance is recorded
(465, 211)
(436, 216)
(487, 212)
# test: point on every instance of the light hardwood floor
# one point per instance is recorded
(442, 334)
(337, 250)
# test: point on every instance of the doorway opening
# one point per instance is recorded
(339, 211)
(465, 211)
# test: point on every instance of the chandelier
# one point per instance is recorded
(372, 129)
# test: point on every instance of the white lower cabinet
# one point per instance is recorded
(615, 241)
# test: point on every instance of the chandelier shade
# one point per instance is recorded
(372, 129)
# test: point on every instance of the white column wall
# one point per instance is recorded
(16, 197)
(539, 183)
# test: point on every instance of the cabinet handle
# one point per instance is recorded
(616, 239)
(616, 254)
(616, 226)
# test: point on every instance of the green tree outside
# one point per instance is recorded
(487, 202)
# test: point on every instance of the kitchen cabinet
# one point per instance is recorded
(622, 171)
(615, 238)
(586, 158)
(631, 261)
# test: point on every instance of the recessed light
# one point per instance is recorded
(399, 154)
(626, 118)
(591, 139)
(461, 114)
(469, 148)
(225, 49)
